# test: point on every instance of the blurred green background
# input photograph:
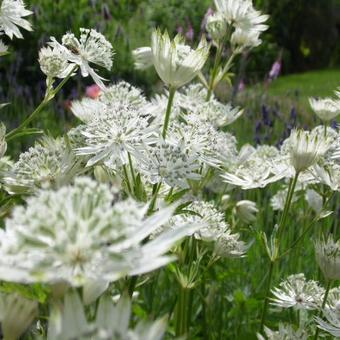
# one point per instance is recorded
(303, 35)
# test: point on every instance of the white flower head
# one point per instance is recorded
(246, 211)
(332, 323)
(254, 168)
(12, 13)
(3, 49)
(168, 162)
(91, 48)
(111, 321)
(242, 14)
(242, 39)
(306, 148)
(298, 293)
(285, 332)
(326, 109)
(78, 235)
(176, 63)
(116, 133)
(216, 26)
(50, 163)
(328, 257)
(53, 62)
(16, 315)
(143, 57)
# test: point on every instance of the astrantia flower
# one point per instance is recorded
(298, 293)
(254, 168)
(332, 323)
(111, 322)
(3, 49)
(328, 257)
(77, 234)
(114, 134)
(212, 147)
(16, 315)
(213, 229)
(306, 148)
(50, 163)
(169, 163)
(285, 332)
(326, 109)
(242, 39)
(143, 57)
(90, 48)
(246, 211)
(53, 62)
(216, 26)
(12, 13)
(215, 113)
(242, 14)
(175, 62)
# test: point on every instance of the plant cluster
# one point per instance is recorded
(123, 227)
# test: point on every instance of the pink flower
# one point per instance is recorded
(275, 70)
(190, 33)
(241, 86)
(93, 91)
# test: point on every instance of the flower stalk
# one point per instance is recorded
(172, 91)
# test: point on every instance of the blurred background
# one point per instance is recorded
(299, 58)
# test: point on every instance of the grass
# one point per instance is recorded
(310, 84)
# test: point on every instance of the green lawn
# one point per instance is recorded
(316, 83)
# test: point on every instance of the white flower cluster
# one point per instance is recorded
(247, 23)
(76, 235)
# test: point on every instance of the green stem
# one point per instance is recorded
(266, 301)
(127, 179)
(172, 91)
(181, 319)
(155, 191)
(329, 284)
(273, 261)
(131, 169)
(132, 285)
(214, 71)
(48, 97)
(288, 202)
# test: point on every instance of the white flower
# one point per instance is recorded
(306, 148)
(326, 109)
(3, 49)
(332, 323)
(111, 322)
(11, 16)
(53, 62)
(246, 211)
(176, 63)
(78, 235)
(117, 132)
(245, 38)
(216, 26)
(277, 202)
(212, 147)
(328, 257)
(214, 112)
(254, 168)
(50, 163)
(328, 174)
(16, 315)
(298, 293)
(213, 228)
(143, 58)
(242, 14)
(169, 163)
(285, 332)
(314, 200)
(90, 48)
